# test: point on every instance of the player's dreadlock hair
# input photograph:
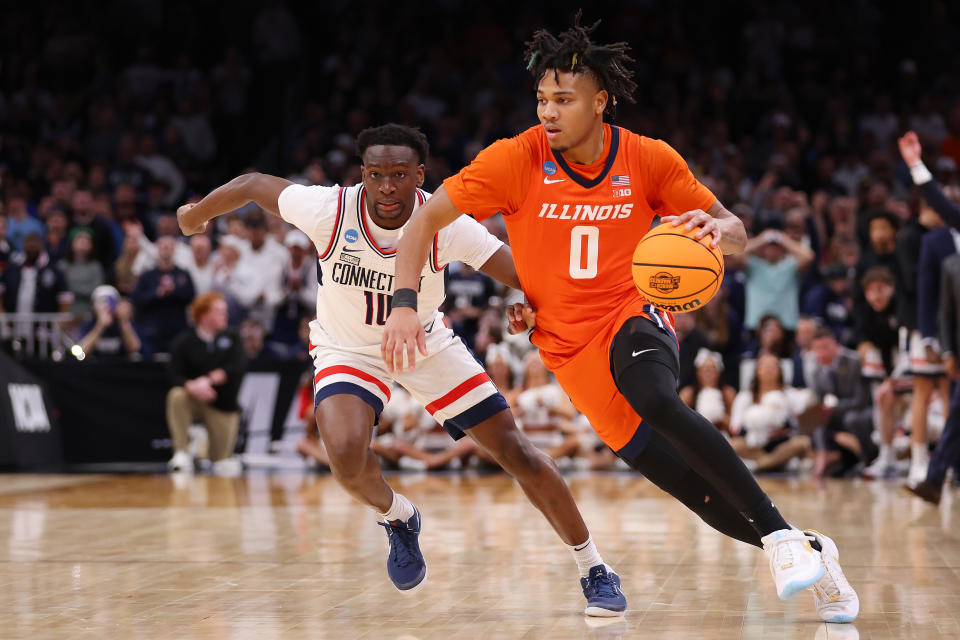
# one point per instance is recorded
(394, 134)
(574, 51)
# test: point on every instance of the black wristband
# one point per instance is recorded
(404, 298)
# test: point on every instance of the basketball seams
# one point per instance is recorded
(683, 235)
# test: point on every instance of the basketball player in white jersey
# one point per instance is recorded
(356, 231)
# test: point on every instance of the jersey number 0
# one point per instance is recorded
(584, 252)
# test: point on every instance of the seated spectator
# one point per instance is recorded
(259, 353)
(709, 396)
(875, 335)
(31, 284)
(125, 271)
(774, 266)
(468, 293)
(161, 298)
(111, 335)
(691, 341)
(82, 272)
(5, 248)
(844, 437)
(542, 409)
(206, 366)
(771, 338)
(763, 419)
(803, 358)
(722, 325)
(831, 301)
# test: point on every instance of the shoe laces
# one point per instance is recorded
(783, 551)
(833, 584)
(401, 543)
(603, 585)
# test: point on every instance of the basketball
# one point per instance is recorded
(675, 271)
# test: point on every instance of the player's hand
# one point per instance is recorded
(185, 227)
(521, 317)
(697, 218)
(910, 148)
(950, 365)
(402, 334)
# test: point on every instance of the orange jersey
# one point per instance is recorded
(573, 228)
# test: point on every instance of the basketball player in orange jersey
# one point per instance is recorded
(355, 230)
(577, 195)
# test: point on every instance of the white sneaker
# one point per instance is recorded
(793, 562)
(918, 469)
(181, 461)
(228, 467)
(880, 469)
(835, 599)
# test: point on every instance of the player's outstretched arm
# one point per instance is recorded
(500, 267)
(726, 228)
(250, 187)
(403, 333)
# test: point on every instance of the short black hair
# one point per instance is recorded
(573, 51)
(396, 135)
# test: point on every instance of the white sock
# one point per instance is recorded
(886, 454)
(401, 509)
(919, 452)
(586, 555)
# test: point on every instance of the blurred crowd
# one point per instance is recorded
(821, 350)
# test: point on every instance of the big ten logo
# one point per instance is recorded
(29, 412)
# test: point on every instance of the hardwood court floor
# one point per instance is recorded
(290, 556)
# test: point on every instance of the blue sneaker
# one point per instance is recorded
(602, 591)
(405, 564)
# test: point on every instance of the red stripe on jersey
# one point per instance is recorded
(457, 392)
(357, 373)
(436, 260)
(336, 226)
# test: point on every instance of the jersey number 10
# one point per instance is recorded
(584, 252)
(383, 302)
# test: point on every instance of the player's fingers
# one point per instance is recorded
(386, 352)
(411, 355)
(422, 341)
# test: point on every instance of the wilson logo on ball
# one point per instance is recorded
(664, 282)
(679, 308)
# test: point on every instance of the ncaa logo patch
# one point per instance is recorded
(549, 168)
(351, 235)
(664, 282)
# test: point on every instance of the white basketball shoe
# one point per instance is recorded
(835, 599)
(793, 562)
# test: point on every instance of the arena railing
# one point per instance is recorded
(36, 335)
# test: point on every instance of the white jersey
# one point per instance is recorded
(357, 259)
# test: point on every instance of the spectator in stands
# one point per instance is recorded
(198, 262)
(832, 302)
(5, 248)
(844, 439)
(31, 284)
(125, 271)
(763, 419)
(57, 239)
(84, 215)
(468, 294)
(257, 281)
(207, 366)
(803, 358)
(20, 223)
(709, 396)
(774, 266)
(875, 336)
(259, 353)
(691, 341)
(83, 274)
(111, 335)
(299, 288)
(161, 298)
